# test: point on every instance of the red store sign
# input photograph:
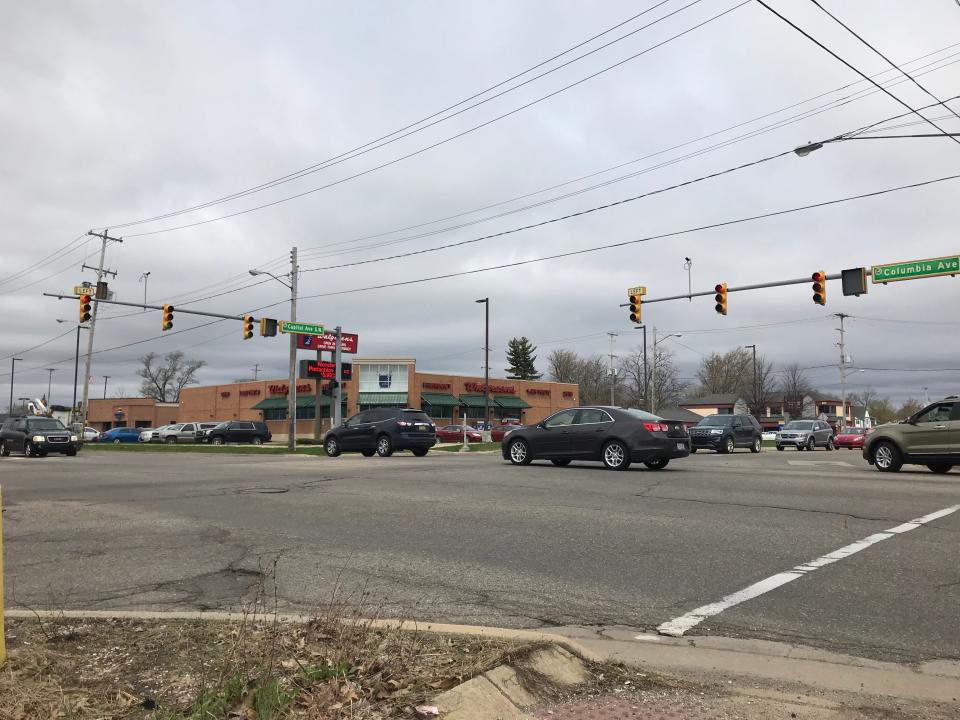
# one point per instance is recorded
(500, 389)
(568, 393)
(436, 386)
(225, 394)
(249, 392)
(537, 391)
(284, 389)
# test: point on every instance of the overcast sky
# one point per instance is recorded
(116, 112)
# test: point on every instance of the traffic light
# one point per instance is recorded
(84, 308)
(167, 317)
(636, 305)
(247, 327)
(819, 287)
(721, 298)
(268, 327)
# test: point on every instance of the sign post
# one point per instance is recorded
(915, 269)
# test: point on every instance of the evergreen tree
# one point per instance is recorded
(521, 358)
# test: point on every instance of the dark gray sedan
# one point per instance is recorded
(806, 435)
(611, 435)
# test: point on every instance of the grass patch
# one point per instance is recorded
(472, 447)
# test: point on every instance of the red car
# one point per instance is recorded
(500, 431)
(454, 433)
(850, 438)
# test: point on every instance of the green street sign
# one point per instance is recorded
(297, 328)
(916, 269)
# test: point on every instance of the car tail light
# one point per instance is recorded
(656, 427)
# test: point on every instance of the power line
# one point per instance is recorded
(446, 140)
(625, 243)
(36, 347)
(832, 53)
(891, 62)
(366, 147)
(556, 219)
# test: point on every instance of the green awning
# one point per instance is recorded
(439, 399)
(474, 401)
(511, 402)
(388, 398)
(280, 403)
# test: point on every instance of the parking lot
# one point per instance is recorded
(470, 538)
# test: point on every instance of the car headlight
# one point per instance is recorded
(716, 431)
(38, 438)
(73, 438)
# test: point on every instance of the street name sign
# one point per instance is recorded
(641, 290)
(84, 289)
(916, 269)
(298, 328)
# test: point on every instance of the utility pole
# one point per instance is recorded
(843, 371)
(105, 378)
(653, 389)
(76, 366)
(292, 390)
(13, 369)
(317, 415)
(613, 372)
(756, 387)
(256, 371)
(49, 383)
(104, 239)
(486, 365)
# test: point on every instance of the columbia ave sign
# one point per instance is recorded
(916, 269)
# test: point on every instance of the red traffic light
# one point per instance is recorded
(720, 298)
(636, 307)
(84, 308)
(819, 287)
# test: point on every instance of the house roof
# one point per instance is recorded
(679, 414)
(711, 400)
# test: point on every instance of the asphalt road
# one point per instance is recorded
(471, 539)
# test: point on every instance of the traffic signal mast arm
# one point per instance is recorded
(759, 286)
(177, 309)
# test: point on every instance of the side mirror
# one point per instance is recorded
(343, 423)
(542, 425)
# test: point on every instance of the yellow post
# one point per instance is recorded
(3, 641)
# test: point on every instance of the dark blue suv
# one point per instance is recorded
(383, 431)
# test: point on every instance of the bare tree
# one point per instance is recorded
(731, 372)
(562, 366)
(590, 373)
(910, 407)
(862, 398)
(635, 377)
(759, 394)
(163, 381)
(666, 387)
(794, 387)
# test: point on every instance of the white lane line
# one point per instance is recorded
(679, 625)
(809, 463)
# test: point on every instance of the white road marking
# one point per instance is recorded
(679, 625)
(807, 463)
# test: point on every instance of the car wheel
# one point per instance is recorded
(559, 462)
(940, 468)
(384, 446)
(519, 452)
(830, 445)
(693, 450)
(811, 444)
(170, 440)
(71, 453)
(779, 448)
(728, 446)
(116, 441)
(257, 440)
(368, 453)
(218, 441)
(29, 450)
(615, 456)
(657, 463)
(887, 458)
(4, 450)
(757, 445)
(420, 453)
(332, 446)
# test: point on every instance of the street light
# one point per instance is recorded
(653, 402)
(756, 387)
(76, 363)
(646, 375)
(292, 379)
(486, 366)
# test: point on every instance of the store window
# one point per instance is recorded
(383, 377)
(438, 412)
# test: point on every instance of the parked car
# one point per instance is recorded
(929, 437)
(149, 435)
(454, 433)
(806, 435)
(501, 431)
(37, 436)
(186, 432)
(725, 433)
(242, 431)
(120, 435)
(90, 434)
(612, 435)
(850, 438)
(383, 431)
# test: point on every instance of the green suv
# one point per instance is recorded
(931, 437)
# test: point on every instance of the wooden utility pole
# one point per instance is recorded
(104, 239)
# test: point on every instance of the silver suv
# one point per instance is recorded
(805, 435)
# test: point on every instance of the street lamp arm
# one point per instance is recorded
(265, 272)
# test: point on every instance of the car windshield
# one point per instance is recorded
(642, 414)
(853, 431)
(45, 424)
(220, 425)
(716, 421)
(799, 425)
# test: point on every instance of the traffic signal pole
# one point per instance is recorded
(292, 382)
(104, 239)
(739, 288)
